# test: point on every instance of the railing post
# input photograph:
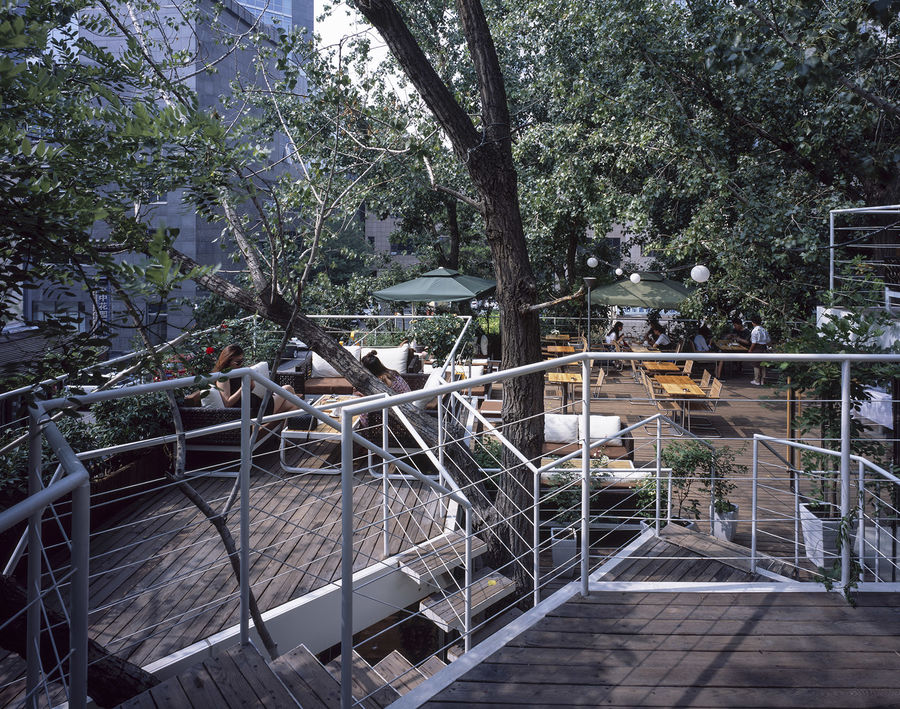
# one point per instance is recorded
(346, 559)
(712, 498)
(585, 471)
(845, 467)
(796, 520)
(35, 554)
(536, 535)
(753, 521)
(861, 535)
(659, 472)
(78, 631)
(244, 556)
(385, 508)
(467, 616)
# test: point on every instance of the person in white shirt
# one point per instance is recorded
(615, 334)
(660, 338)
(759, 342)
(702, 339)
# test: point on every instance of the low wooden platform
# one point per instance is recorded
(697, 650)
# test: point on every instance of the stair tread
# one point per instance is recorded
(367, 682)
(399, 672)
(447, 611)
(431, 666)
(438, 556)
(455, 651)
(307, 679)
(728, 553)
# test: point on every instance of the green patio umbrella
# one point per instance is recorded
(653, 291)
(440, 285)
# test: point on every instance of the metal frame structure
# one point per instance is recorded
(75, 481)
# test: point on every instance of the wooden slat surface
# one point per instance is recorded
(697, 650)
(438, 557)
(447, 610)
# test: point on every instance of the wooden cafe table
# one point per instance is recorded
(565, 380)
(658, 366)
(678, 386)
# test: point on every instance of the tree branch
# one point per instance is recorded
(474, 203)
(543, 306)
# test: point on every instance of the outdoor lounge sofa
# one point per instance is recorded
(321, 378)
(562, 433)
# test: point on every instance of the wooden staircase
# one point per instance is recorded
(728, 553)
(429, 563)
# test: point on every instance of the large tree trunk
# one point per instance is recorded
(488, 158)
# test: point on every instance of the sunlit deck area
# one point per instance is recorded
(676, 617)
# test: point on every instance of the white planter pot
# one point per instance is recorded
(819, 537)
(725, 524)
(564, 550)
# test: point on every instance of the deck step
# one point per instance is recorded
(455, 651)
(307, 679)
(399, 672)
(238, 677)
(728, 553)
(367, 682)
(431, 666)
(429, 561)
(447, 610)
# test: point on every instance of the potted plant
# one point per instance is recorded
(565, 507)
(699, 469)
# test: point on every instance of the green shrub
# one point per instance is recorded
(437, 334)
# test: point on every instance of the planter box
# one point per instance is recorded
(725, 524)
(564, 550)
(819, 537)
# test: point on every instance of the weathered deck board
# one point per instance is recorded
(184, 590)
(696, 650)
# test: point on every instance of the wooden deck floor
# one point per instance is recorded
(696, 650)
(160, 579)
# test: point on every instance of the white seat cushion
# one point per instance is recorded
(212, 399)
(321, 368)
(395, 358)
(261, 368)
(602, 427)
(433, 382)
(561, 428)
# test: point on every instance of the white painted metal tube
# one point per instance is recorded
(753, 503)
(346, 559)
(33, 615)
(845, 469)
(467, 616)
(78, 630)
(244, 557)
(585, 474)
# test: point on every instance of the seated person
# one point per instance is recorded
(390, 377)
(703, 340)
(738, 332)
(615, 336)
(659, 338)
(232, 357)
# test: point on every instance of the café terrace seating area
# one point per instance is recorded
(635, 611)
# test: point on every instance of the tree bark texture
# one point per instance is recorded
(488, 158)
(111, 680)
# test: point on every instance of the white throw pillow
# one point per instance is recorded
(212, 399)
(601, 427)
(560, 428)
(433, 382)
(321, 368)
(395, 358)
(261, 368)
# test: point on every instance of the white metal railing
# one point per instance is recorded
(452, 493)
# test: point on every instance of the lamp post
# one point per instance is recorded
(589, 282)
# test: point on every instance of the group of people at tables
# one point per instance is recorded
(755, 339)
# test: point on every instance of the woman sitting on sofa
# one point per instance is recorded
(232, 357)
